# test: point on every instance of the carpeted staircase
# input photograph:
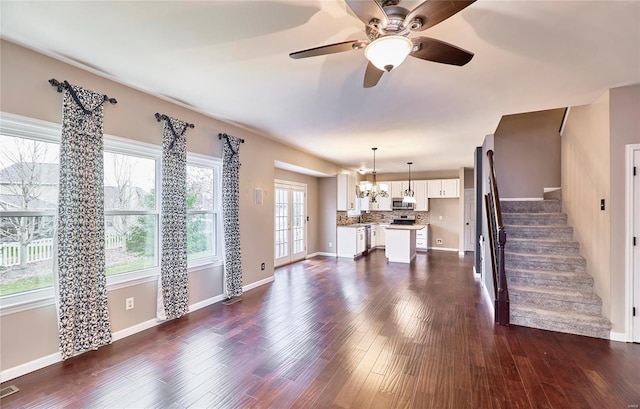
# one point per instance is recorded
(549, 287)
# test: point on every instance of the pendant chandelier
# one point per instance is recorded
(373, 190)
(409, 193)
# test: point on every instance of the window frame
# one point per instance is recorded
(121, 146)
(29, 128)
(197, 160)
(42, 131)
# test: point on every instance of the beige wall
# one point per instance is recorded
(468, 178)
(447, 229)
(624, 129)
(24, 91)
(585, 180)
(327, 234)
(527, 153)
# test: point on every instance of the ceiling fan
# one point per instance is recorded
(387, 26)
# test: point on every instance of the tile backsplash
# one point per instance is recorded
(342, 219)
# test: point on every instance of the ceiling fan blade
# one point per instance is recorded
(432, 12)
(367, 10)
(329, 49)
(438, 51)
(372, 75)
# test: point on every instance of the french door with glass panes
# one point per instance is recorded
(290, 222)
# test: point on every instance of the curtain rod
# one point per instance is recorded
(220, 135)
(64, 84)
(160, 117)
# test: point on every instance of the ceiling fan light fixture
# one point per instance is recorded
(388, 52)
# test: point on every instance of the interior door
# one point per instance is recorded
(290, 223)
(469, 220)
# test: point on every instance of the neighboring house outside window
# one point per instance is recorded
(29, 172)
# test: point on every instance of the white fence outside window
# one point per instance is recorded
(40, 250)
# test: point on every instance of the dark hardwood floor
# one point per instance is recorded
(332, 333)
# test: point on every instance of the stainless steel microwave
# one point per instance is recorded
(398, 204)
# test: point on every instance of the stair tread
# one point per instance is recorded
(538, 226)
(533, 214)
(562, 315)
(542, 241)
(552, 256)
(547, 272)
(559, 291)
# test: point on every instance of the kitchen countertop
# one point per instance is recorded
(406, 227)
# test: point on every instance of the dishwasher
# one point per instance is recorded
(367, 239)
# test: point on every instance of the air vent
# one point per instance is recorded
(8, 390)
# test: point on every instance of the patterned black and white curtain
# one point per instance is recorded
(82, 288)
(231, 215)
(173, 300)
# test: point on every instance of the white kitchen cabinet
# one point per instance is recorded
(398, 187)
(382, 234)
(375, 229)
(364, 205)
(420, 193)
(422, 239)
(347, 193)
(382, 204)
(443, 188)
(351, 241)
(360, 240)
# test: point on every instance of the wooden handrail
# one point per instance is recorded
(498, 239)
(494, 189)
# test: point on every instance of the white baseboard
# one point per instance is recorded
(619, 336)
(444, 249)
(320, 253)
(258, 284)
(206, 303)
(123, 333)
(30, 366)
(550, 189)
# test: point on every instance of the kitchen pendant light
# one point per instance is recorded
(373, 190)
(409, 193)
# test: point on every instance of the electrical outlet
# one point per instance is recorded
(438, 241)
(330, 244)
(262, 266)
(439, 217)
(128, 303)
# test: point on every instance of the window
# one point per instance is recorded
(29, 171)
(202, 210)
(131, 215)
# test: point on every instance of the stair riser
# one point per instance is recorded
(550, 233)
(530, 206)
(532, 247)
(538, 300)
(582, 284)
(531, 219)
(577, 328)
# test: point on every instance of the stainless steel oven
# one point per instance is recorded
(398, 204)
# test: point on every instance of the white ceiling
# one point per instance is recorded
(229, 59)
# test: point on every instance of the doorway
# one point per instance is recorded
(469, 220)
(290, 222)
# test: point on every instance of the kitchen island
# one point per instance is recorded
(401, 242)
